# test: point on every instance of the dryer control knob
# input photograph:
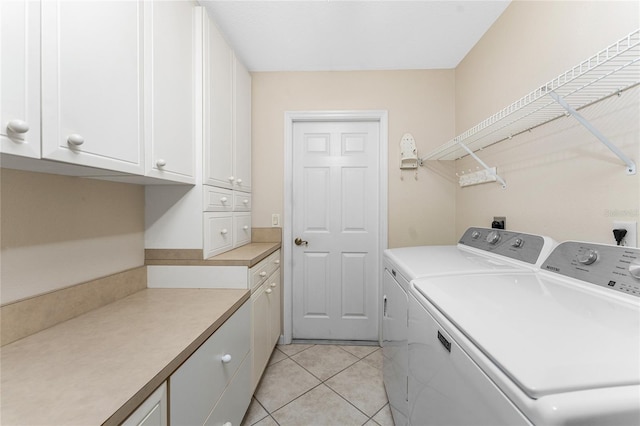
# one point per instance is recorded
(475, 235)
(588, 257)
(634, 269)
(518, 243)
(493, 237)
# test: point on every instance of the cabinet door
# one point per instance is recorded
(218, 233)
(218, 109)
(275, 304)
(92, 72)
(242, 126)
(241, 229)
(259, 334)
(20, 78)
(170, 79)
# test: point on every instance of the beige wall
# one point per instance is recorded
(418, 102)
(561, 180)
(58, 231)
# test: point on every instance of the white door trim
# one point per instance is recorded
(290, 117)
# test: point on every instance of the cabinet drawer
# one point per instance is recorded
(262, 270)
(198, 384)
(241, 201)
(217, 199)
(218, 233)
(235, 400)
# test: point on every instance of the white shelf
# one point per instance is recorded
(610, 71)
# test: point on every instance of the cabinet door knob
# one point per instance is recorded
(268, 291)
(18, 126)
(227, 424)
(239, 181)
(263, 274)
(223, 200)
(75, 139)
(226, 358)
(224, 231)
(231, 178)
(246, 227)
(273, 284)
(245, 201)
(161, 162)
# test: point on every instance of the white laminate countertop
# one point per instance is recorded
(97, 368)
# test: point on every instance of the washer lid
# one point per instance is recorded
(414, 262)
(548, 336)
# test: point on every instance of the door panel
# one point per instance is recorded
(335, 210)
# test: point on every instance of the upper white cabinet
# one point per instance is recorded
(241, 126)
(92, 84)
(227, 137)
(171, 34)
(20, 78)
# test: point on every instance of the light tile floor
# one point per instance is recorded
(322, 385)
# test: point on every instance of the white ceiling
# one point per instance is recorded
(314, 35)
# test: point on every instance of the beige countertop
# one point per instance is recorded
(97, 368)
(248, 255)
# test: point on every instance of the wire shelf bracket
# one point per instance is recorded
(609, 72)
(631, 166)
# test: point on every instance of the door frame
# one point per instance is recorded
(290, 117)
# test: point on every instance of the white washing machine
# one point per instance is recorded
(479, 250)
(557, 347)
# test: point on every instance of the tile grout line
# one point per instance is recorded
(322, 382)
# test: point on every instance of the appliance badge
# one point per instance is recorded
(444, 341)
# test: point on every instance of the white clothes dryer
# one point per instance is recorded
(557, 347)
(479, 250)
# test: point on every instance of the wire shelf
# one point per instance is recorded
(609, 72)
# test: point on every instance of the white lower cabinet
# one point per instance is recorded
(212, 385)
(265, 307)
(152, 412)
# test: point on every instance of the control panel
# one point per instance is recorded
(611, 267)
(514, 245)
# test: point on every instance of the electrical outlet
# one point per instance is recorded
(275, 220)
(499, 222)
(631, 239)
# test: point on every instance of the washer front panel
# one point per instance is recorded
(603, 265)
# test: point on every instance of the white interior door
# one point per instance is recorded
(335, 208)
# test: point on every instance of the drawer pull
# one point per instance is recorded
(224, 231)
(227, 424)
(273, 284)
(239, 181)
(277, 262)
(223, 200)
(18, 126)
(231, 178)
(246, 227)
(268, 291)
(226, 358)
(245, 201)
(263, 274)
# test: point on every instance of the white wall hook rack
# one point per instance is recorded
(408, 152)
(608, 73)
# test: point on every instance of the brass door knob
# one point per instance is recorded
(300, 242)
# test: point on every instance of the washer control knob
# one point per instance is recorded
(588, 257)
(493, 237)
(475, 235)
(517, 243)
(634, 269)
